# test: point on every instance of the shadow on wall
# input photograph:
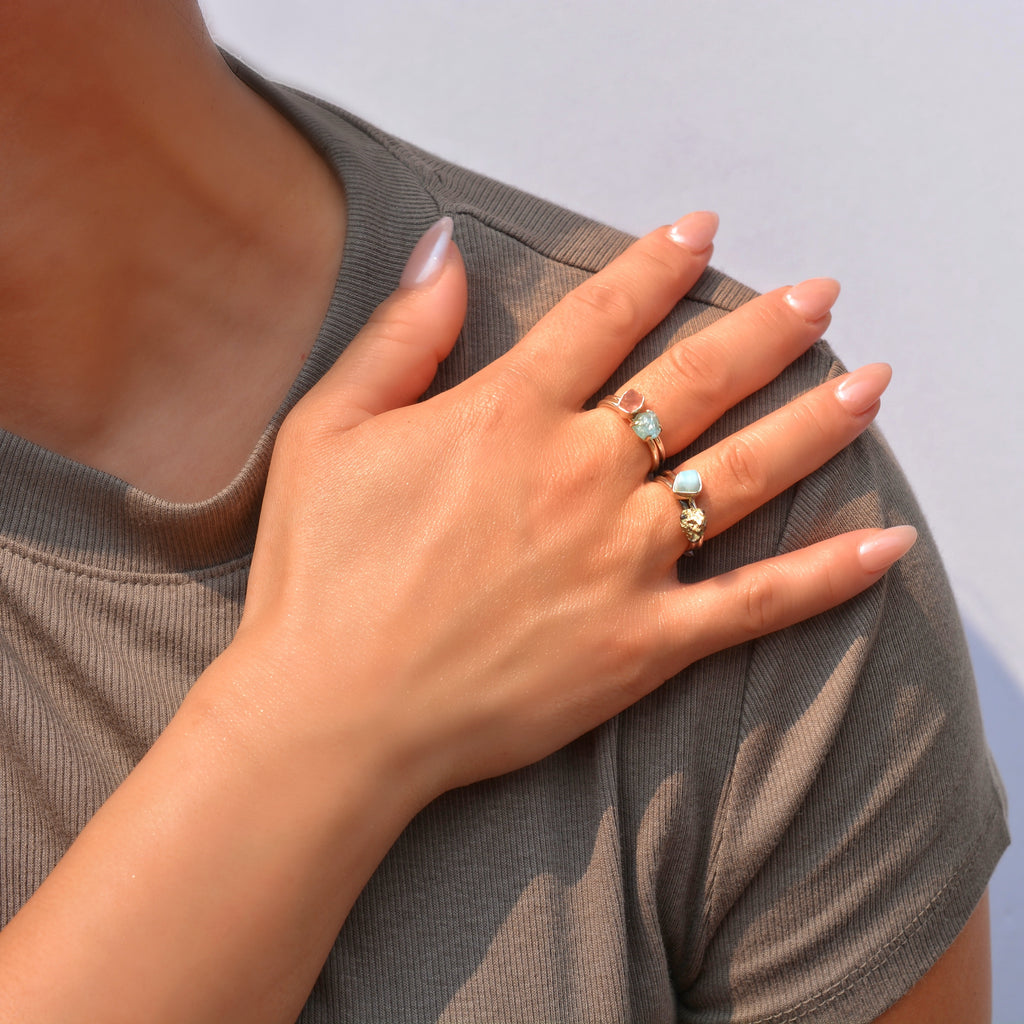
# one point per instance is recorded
(1002, 705)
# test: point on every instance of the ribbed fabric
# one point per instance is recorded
(792, 830)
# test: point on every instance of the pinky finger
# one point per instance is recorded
(778, 592)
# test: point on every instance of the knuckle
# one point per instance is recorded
(810, 419)
(664, 262)
(487, 415)
(616, 307)
(301, 438)
(771, 315)
(511, 404)
(393, 322)
(761, 601)
(301, 425)
(517, 384)
(694, 363)
(834, 586)
(745, 466)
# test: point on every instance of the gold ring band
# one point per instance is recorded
(632, 406)
(685, 485)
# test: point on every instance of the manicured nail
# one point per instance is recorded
(813, 299)
(695, 231)
(428, 257)
(860, 390)
(877, 554)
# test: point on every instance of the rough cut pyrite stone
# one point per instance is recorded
(645, 425)
(693, 521)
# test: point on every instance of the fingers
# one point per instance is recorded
(393, 359)
(755, 464)
(702, 618)
(576, 347)
(693, 383)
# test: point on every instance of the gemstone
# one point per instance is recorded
(631, 401)
(646, 425)
(687, 483)
(693, 522)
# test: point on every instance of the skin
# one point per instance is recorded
(277, 776)
(127, 177)
(959, 986)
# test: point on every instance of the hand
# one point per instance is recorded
(440, 592)
(476, 580)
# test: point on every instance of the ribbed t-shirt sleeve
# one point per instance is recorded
(807, 823)
(861, 817)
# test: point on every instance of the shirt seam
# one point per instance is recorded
(130, 578)
(883, 955)
(419, 164)
(716, 853)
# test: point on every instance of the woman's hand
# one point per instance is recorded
(476, 580)
(441, 592)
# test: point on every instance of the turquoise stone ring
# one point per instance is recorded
(685, 486)
(632, 406)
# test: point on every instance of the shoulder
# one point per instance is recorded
(816, 813)
(522, 252)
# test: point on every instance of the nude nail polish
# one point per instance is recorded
(695, 231)
(814, 298)
(427, 259)
(860, 390)
(878, 553)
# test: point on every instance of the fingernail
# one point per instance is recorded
(877, 554)
(813, 299)
(695, 231)
(860, 390)
(427, 259)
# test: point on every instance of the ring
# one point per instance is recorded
(686, 485)
(645, 423)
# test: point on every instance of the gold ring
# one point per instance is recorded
(632, 406)
(685, 485)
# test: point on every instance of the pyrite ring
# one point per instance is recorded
(686, 485)
(632, 406)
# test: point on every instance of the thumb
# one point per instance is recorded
(393, 359)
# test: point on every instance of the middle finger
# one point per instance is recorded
(699, 378)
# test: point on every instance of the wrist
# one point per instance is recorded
(220, 872)
(290, 720)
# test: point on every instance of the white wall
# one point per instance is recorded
(879, 142)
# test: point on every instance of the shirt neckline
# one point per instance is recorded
(54, 508)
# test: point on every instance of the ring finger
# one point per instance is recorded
(744, 471)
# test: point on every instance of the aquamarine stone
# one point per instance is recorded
(687, 483)
(645, 425)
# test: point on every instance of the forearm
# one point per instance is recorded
(212, 884)
(399, 641)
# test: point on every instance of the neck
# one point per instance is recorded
(152, 209)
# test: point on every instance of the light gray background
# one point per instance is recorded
(877, 142)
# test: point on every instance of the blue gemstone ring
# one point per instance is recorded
(686, 485)
(632, 406)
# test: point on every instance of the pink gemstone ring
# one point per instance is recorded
(644, 422)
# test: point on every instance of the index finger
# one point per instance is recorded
(577, 346)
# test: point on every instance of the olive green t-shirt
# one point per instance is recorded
(792, 830)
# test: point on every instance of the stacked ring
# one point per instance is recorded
(632, 406)
(686, 485)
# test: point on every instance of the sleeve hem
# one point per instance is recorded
(897, 966)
